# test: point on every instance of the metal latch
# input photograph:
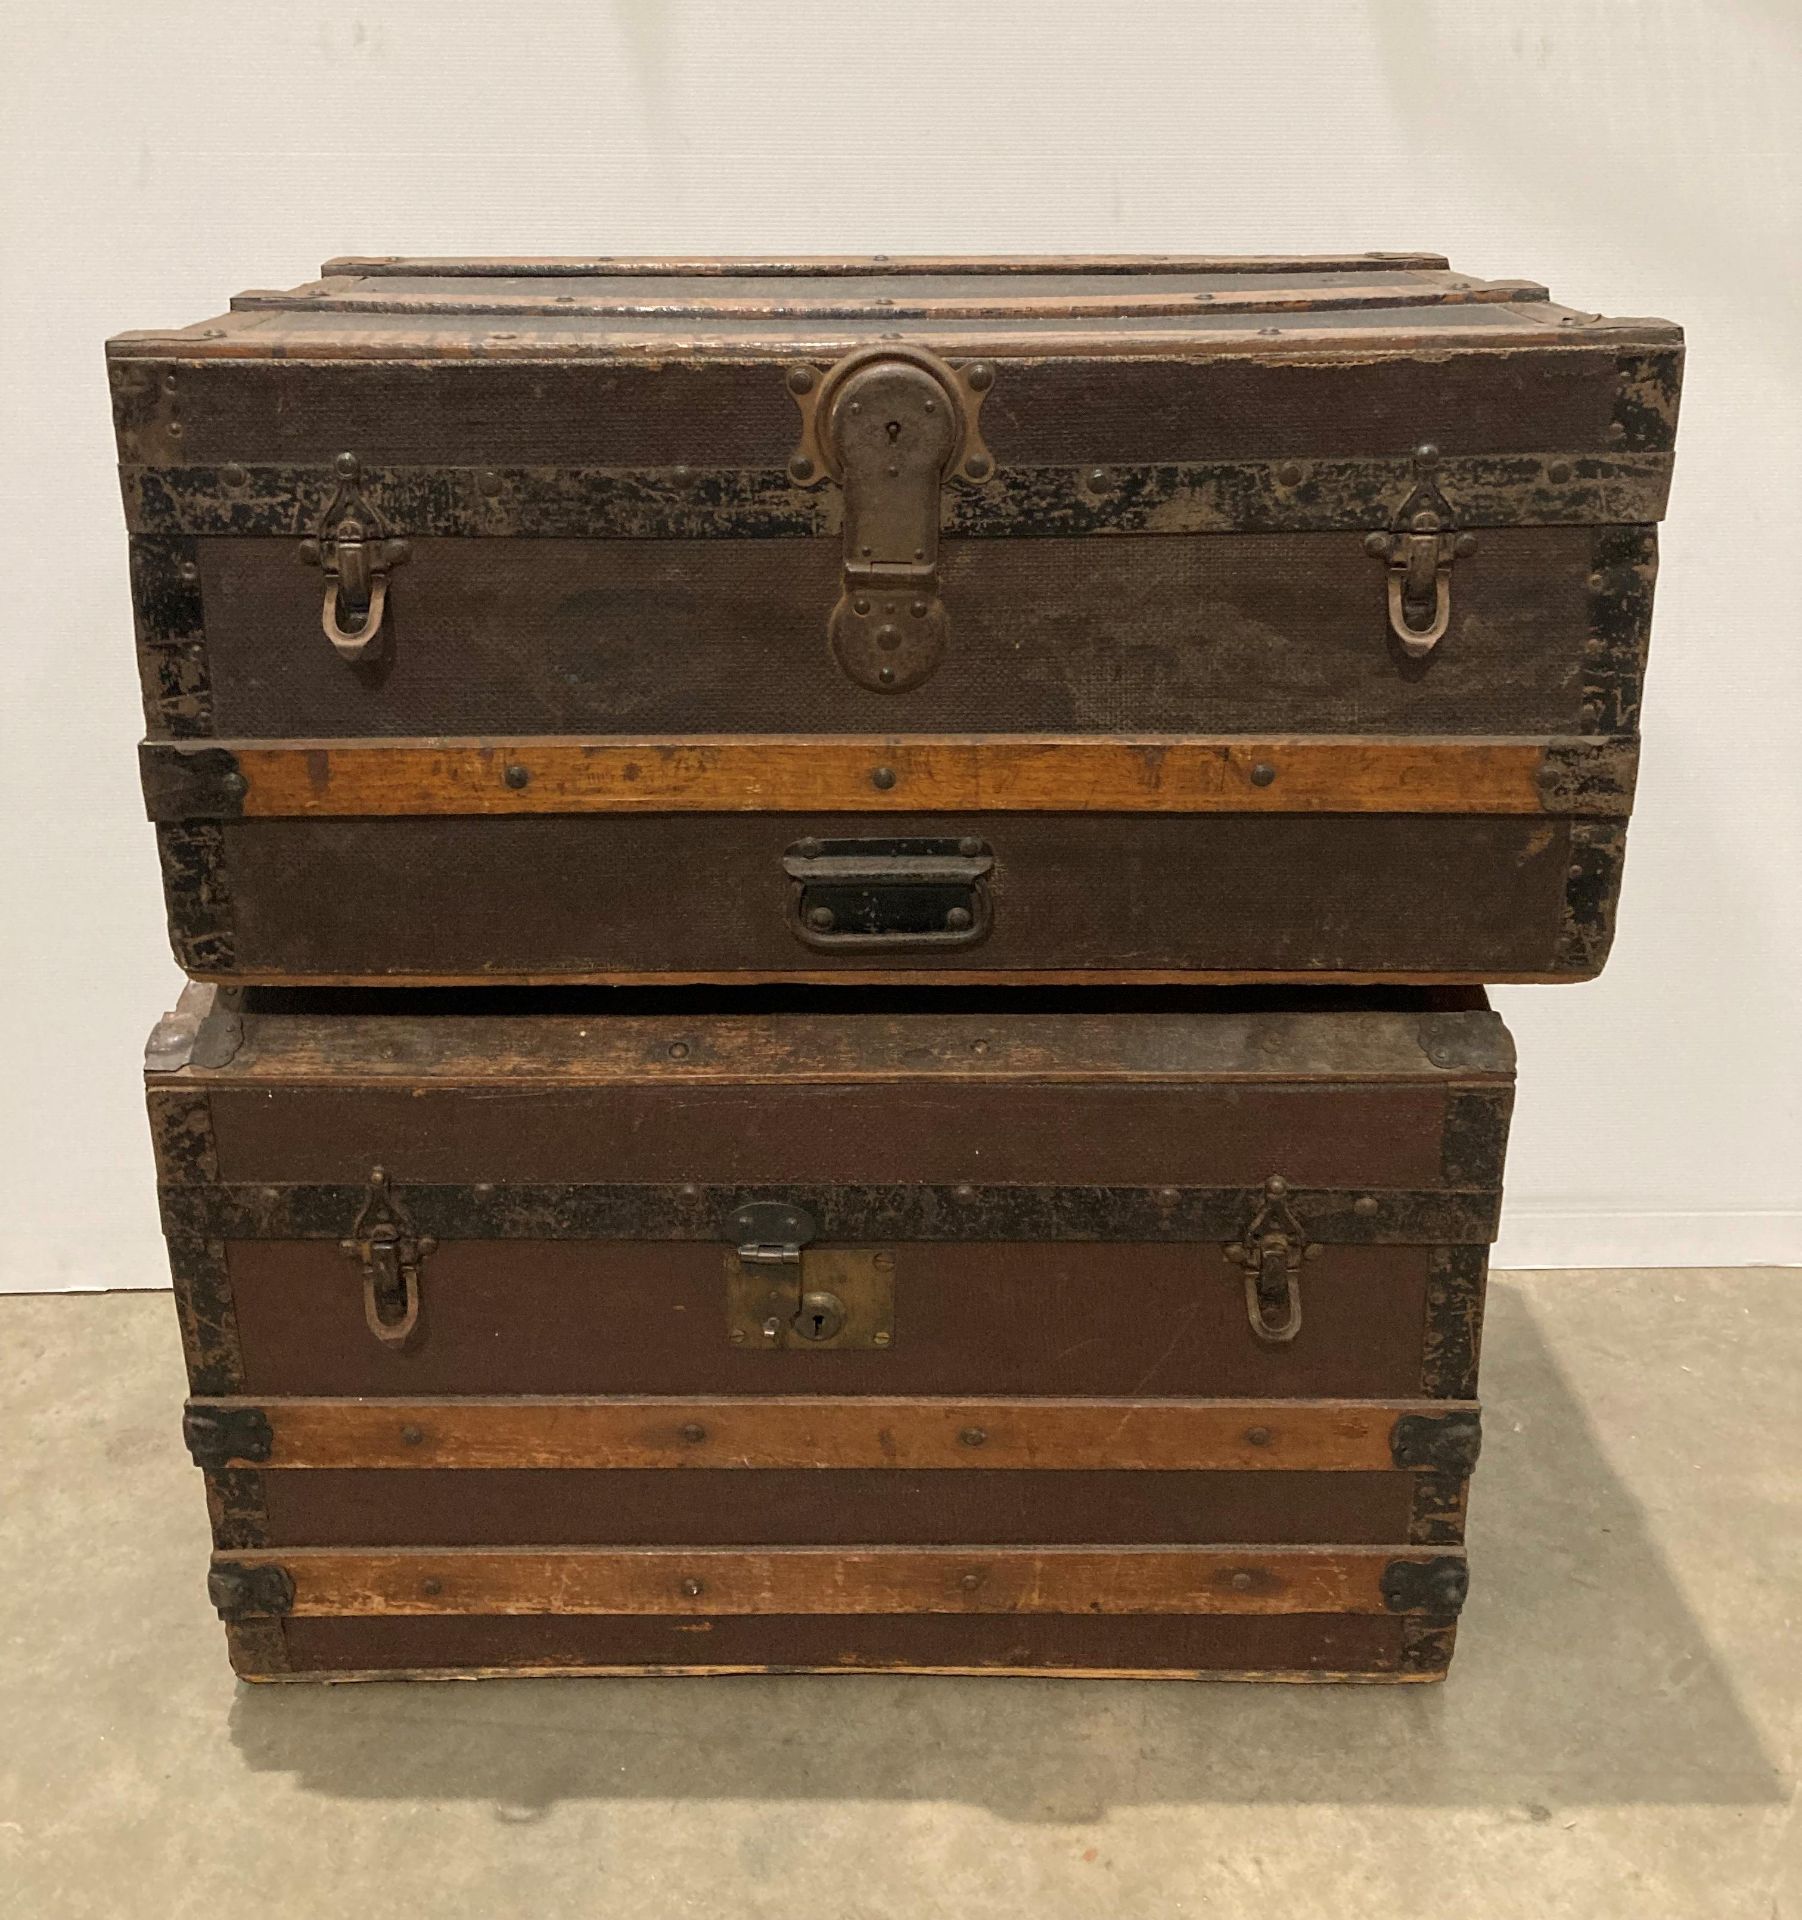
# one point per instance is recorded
(1420, 549)
(782, 1293)
(1271, 1250)
(390, 1253)
(354, 547)
(862, 894)
(891, 425)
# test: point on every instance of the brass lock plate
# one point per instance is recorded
(831, 1297)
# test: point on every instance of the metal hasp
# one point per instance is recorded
(891, 424)
(782, 1294)
(390, 1254)
(889, 894)
(358, 553)
(1420, 548)
(1271, 1250)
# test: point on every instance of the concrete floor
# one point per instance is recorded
(1620, 1734)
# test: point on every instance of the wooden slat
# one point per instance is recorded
(802, 266)
(791, 1580)
(997, 773)
(823, 299)
(1170, 1435)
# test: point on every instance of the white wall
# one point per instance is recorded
(1644, 159)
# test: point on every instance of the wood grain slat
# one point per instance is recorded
(901, 774)
(700, 1582)
(788, 1432)
(803, 266)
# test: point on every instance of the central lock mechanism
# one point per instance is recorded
(784, 1293)
(891, 425)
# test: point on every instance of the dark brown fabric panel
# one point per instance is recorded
(1270, 632)
(934, 1132)
(591, 413)
(1199, 1643)
(1002, 1318)
(524, 896)
(813, 1507)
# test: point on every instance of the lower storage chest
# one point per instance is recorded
(599, 1332)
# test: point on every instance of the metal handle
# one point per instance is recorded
(354, 642)
(864, 895)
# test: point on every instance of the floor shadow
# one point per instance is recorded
(1581, 1677)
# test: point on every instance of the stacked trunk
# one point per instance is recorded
(824, 767)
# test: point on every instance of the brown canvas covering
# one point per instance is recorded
(1162, 588)
(1085, 1438)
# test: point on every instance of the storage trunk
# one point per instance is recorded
(598, 1332)
(1112, 620)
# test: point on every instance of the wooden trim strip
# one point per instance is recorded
(786, 1432)
(813, 1580)
(803, 266)
(821, 299)
(790, 773)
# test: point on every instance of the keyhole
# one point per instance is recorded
(894, 429)
(822, 1316)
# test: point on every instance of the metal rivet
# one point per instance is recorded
(801, 379)
(882, 1262)
(490, 483)
(963, 1191)
(1558, 473)
(430, 1587)
(174, 429)
(1241, 1583)
(1376, 545)
(860, 605)
(232, 474)
(689, 1191)
(413, 1436)
(1573, 873)
(516, 775)
(1169, 1195)
(881, 1339)
(1465, 545)
(692, 1588)
(888, 636)
(1290, 475)
(979, 1046)
(1258, 1436)
(882, 778)
(1262, 774)
(959, 919)
(801, 467)
(808, 849)
(1426, 454)
(887, 676)
(678, 1050)
(169, 381)
(980, 375)
(920, 609)
(969, 848)
(821, 918)
(972, 1436)
(738, 1336)
(347, 465)
(970, 1582)
(1312, 1251)
(693, 1432)
(857, 406)
(976, 466)
(1097, 478)
(189, 571)
(236, 783)
(1276, 1184)
(1364, 1206)
(1596, 583)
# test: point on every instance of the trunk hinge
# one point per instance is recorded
(354, 547)
(390, 1253)
(1272, 1250)
(1420, 547)
(891, 425)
